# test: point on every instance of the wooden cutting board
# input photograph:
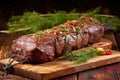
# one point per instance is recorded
(59, 67)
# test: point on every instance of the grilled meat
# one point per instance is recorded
(49, 44)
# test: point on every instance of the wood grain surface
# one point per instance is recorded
(60, 67)
(11, 77)
(107, 72)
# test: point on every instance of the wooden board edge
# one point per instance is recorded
(71, 70)
(81, 67)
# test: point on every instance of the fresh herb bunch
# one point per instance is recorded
(31, 22)
(62, 16)
(90, 13)
(115, 24)
(83, 55)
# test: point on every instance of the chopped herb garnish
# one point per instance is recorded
(83, 55)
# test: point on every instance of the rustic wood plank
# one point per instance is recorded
(68, 77)
(12, 77)
(102, 73)
(117, 69)
(58, 68)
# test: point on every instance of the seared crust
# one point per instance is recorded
(48, 44)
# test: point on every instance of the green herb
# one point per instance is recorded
(62, 16)
(115, 24)
(95, 13)
(90, 13)
(82, 56)
(58, 18)
(31, 22)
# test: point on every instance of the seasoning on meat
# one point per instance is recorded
(52, 43)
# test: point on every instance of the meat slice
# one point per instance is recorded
(70, 42)
(59, 45)
(23, 46)
(45, 46)
(85, 38)
(95, 29)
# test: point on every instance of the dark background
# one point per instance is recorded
(17, 7)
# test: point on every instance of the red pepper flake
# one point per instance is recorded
(56, 33)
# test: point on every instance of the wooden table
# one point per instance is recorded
(12, 77)
(66, 70)
(108, 72)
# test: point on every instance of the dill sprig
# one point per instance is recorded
(91, 13)
(82, 56)
(31, 22)
(60, 17)
(115, 24)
